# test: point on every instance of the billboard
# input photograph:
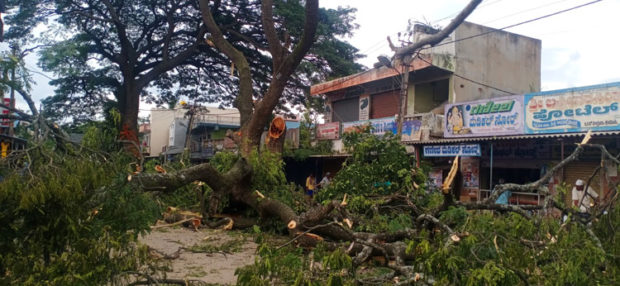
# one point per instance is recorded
(379, 126)
(487, 117)
(573, 110)
(411, 130)
(328, 131)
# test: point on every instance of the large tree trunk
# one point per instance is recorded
(129, 106)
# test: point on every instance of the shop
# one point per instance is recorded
(519, 138)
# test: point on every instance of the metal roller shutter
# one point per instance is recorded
(384, 104)
(346, 110)
(582, 170)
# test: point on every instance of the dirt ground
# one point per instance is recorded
(208, 255)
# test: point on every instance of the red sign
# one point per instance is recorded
(328, 131)
(4, 111)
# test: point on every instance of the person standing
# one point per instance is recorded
(325, 181)
(310, 185)
(583, 199)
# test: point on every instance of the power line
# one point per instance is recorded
(515, 25)
(524, 11)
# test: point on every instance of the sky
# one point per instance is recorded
(579, 47)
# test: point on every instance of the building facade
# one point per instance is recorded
(477, 95)
(474, 62)
(169, 130)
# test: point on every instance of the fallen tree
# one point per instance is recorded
(420, 237)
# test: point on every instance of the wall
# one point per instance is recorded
(177, 133)
(500, 59)
(430, 95)
(160, 125)
(161, 119)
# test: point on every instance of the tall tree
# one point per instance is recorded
(160, 50)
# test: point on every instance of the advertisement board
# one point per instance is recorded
(379, 126)
(573, 110)
(328, 131)
(470, 170)
(411, 130)
(435, 176)
(364, 107)
(452, 150)
(488, 117)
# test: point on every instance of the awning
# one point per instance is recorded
(511, 137)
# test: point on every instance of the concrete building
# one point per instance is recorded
(168, 129)
(474, 62)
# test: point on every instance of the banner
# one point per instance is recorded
(452, 150)
(379, 126)
(573, 110)
(488, 117)
(328, 131)
(411, 130)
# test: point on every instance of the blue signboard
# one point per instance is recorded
(573, 110)
(468, 150)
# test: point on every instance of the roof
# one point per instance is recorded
(512, 137)
(367, 76)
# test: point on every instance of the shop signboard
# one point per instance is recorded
(488, 117)
(467, 150)
(573, 110)
(379, 126)
(328, 131)
(411, 130)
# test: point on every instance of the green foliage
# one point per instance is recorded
(102, 135)
(70, 221)
(84, 44)
(289, 266)
(495, 252)
(307, 146)
(224, 161)
(377, 166)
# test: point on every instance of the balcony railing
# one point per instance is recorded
(217, 119)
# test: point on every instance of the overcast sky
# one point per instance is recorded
(579, 47)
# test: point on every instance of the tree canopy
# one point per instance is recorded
(160, 50)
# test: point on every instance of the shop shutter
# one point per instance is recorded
(582, 170)
(384, 104)
(346, 110)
